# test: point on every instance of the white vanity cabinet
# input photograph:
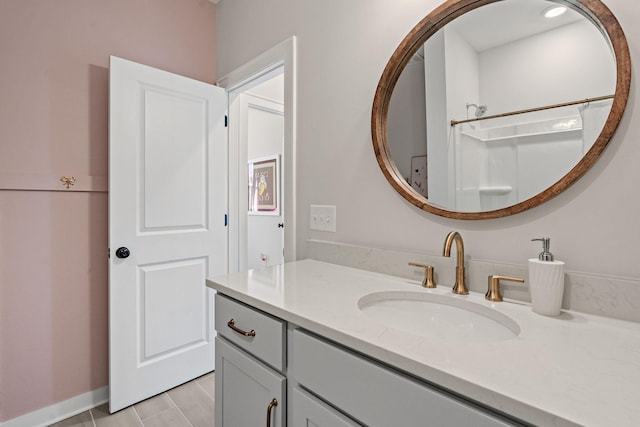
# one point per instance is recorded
(323, 384)
(344, 368)
(250, 362)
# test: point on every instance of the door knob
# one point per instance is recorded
(123, 252)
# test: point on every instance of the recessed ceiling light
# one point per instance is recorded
(554, 11)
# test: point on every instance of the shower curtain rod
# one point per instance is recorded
(530, 110)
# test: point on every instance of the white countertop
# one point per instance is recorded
(575, 369)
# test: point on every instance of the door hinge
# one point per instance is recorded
(226, 121)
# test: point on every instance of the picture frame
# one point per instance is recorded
(264, 186)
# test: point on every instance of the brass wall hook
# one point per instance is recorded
(68, 180)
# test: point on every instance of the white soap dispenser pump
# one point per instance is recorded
(546, 281)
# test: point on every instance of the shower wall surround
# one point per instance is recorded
(497, 166)
(607, 296)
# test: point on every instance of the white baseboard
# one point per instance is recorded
(61, 410)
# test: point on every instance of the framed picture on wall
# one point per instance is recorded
(264, 186)
(419, 174)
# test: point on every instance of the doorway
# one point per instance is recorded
(262, 96)
(262, 130)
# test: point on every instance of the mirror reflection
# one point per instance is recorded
(500, 104)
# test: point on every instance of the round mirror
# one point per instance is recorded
(490, 107)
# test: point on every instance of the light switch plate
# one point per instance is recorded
(323, 218)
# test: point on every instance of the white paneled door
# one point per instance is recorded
(167, 228)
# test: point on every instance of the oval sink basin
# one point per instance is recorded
(441, 316)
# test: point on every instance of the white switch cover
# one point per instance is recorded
(323, 218)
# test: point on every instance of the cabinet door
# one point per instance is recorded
(376, 395)
(245, 390)
(309, 411)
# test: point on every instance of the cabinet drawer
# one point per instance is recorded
(376, 395)
(268, 343)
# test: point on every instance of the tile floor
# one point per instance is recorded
(188, 405)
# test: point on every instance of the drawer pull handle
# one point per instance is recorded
(232, 324)
(272, 404)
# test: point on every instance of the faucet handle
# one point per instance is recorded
(493, 291)
(428, 281)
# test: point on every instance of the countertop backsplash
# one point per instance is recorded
(607, 296)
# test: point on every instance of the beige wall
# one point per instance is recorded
(53, 122)
(343, 47)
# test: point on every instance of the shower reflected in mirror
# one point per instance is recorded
(550, 115)
(480, 110)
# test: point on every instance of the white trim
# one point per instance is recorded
(282, 53)
(61, 410)
(283, 56)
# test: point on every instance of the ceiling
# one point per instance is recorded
(506, 21)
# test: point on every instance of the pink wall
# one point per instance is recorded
(53, 122)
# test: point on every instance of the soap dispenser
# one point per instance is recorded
(546, 281)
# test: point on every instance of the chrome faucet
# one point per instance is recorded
(459, 287)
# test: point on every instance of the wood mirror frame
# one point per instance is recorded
(594, 10)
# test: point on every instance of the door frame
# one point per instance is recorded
(260, 68)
